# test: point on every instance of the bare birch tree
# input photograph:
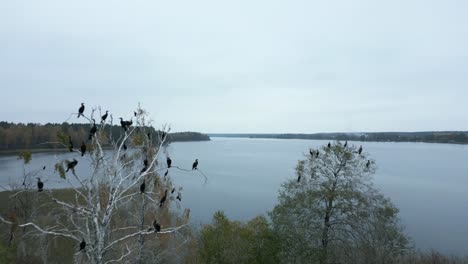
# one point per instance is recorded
(119, 210)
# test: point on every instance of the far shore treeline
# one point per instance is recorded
(453, 137)
(32, 136)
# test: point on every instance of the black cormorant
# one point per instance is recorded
(83, 149)
(143, 187)
(124, 147)
(44, 168)
(145, 162)
(167, 172)
(368, 163)
(71, 164)
(317, 154)
(92, 131)
(311, 152)
(134, 113)
(169, 162)
(329, 145)
(82, 245)
(173, 190)
(298, 178)
(195, 164)
(40, 185)
(81, 110)
(346, 144)
(156, 226)
(179, 197)
(103, 118)
(123, 124)
(70, 144)
(163, 199)
(360, 150)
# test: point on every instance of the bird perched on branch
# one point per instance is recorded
(143, 187)
(104, 117)
(346, 144)
(169, 162)
(195, 164)
(329, 145)
(368, 164)
(125, 124)
(311, 152)
(163, 199)
(40, 185)
(83, 149)
(93, 130)
(317, 154)
(81, 110)
(71, 165)
(70, 144)
(82, 245)
(360, 150)
(156, 226)
(179, 197)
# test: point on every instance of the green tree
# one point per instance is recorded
(226, 241)
(332, 213)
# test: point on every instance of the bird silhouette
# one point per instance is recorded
(82, 245)
(329, 145)
(163, 199)
(167, 172)
(156, 226)
(92, 131)
(83, 149)
(169, 162)
(179, 197)
(360, 150)
(173, 190)
(317, 154)
(143, 187)
(346, 144)
(195, 164)
(71, 164)
(40, 185)
(368, 163)
(70, 144)
(104, 117)
(81, 110)
(299, 178)
(311, 152)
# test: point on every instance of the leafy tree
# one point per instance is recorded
(225, 241)
(332, 213)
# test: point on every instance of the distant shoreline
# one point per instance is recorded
(441, 137)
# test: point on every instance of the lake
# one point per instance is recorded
(427, 182)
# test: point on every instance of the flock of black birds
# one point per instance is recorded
(92, 132)
(329, 145)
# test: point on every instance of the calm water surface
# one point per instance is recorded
(427, 182)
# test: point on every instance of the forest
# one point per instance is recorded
(18, 136)
(452, 137)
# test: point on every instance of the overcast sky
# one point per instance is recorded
(240, 66)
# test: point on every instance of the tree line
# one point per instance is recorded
(452, 137)
(14, 136)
